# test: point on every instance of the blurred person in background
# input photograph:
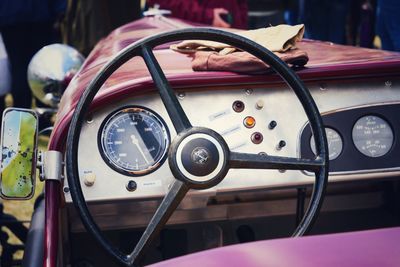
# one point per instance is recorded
(362, 23)
(291, 11)
(218, 13)
(87, 21)
(26, 26)
(388, 24)
(325, 19)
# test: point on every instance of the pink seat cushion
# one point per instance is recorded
(374, 248)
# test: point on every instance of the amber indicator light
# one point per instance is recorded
(249, 122)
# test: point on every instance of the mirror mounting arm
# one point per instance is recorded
(50, 165)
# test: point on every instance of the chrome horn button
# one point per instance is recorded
(199, 157)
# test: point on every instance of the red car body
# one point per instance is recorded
(327, 62)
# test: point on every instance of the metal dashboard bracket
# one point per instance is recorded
(50, 165)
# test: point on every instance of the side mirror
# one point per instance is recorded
(19, 135)
(50, 71)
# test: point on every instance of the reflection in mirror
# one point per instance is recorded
(19, 151)
(50, 71)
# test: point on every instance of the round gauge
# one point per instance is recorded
(134, 141)
(335, 143)
(372, 136)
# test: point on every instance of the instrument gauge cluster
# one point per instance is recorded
(372, 136)
(134, 141)
(359, 139)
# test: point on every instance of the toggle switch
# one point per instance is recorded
(281, 145)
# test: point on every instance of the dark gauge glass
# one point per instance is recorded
(335, 143)
(372, 136)
(134, 141)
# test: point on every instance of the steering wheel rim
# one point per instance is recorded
(184, 130)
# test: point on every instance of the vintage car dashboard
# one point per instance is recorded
(123, 146)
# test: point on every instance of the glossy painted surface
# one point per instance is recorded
(52, 202)
(356, 249)
(327, 61)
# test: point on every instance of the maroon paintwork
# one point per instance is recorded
(357, 249)
(327, 61)
(52, 204)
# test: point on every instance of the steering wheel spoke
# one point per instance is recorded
(170, 202)
(256, 161)
(171, 103)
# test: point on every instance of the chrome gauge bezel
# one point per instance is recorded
(120, 169)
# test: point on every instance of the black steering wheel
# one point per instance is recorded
(190, 138)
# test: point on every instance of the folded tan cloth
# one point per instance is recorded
(243, 62)
(279, 38)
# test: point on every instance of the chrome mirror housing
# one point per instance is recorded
(50, 71)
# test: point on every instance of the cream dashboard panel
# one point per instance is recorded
(213, 109)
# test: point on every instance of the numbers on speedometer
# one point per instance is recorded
(372, 136)
(134, 141)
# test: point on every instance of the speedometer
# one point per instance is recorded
(134, 141)
(372, 136)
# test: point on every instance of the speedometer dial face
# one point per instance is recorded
(335, 143)
(134, 141)
(372, 136)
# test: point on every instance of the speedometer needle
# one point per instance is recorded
(135, 141)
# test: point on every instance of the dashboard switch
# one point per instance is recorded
(260, 104)
(131, 186)
(281, 145)
(89, 178)
(272, 125)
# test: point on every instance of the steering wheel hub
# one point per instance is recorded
(200, 157)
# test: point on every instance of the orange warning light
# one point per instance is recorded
(249, 122)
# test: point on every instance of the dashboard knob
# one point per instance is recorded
(281, 145)
(260, 104)
(272, 125)
(131, 186)
(89, 178)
